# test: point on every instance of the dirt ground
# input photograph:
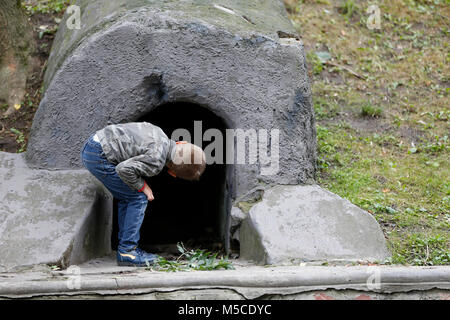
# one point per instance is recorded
(44, 29)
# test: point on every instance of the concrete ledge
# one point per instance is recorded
(246, 282)
(308, 223)
(60, 217)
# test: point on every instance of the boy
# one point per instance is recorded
(120, 156)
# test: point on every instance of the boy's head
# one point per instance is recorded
(188, 162)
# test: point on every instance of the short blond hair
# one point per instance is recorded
(189, 161)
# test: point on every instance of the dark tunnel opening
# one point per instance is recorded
(195, 213)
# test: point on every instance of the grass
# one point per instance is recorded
(368, 110)
(20, 139)
(383, 137)
(45, 6)
(348, 8)
(188, 260)
(419, 250)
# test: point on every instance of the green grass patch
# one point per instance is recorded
(374, 172)
(315, 62)
(324, 108)
(20, 139)
(369, 110)
(423, 250)
(46, 6)
(348, 8)
(382, 117)
(188, 260)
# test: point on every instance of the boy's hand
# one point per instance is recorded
(148, 192)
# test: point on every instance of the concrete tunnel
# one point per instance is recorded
(192, 212)
(232, 64)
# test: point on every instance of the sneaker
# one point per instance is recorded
(135, 258)
(149, 256)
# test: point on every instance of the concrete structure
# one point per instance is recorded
(233, 64)
(59, 218)
(309, 223)
(241, 63)
(239, 59)
(102, 279)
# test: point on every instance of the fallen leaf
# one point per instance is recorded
(323, 56)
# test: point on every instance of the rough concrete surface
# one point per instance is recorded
(58, 217)
(240, 59)
(102, 279)
(309, 223)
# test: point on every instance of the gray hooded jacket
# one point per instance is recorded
(138, 149)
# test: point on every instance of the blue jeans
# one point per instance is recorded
(131, 203)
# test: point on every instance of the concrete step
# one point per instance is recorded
(103, 279)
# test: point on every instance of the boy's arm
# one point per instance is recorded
(132, 170)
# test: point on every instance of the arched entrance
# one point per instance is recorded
(195, 213)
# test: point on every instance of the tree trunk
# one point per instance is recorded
(16, 47)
